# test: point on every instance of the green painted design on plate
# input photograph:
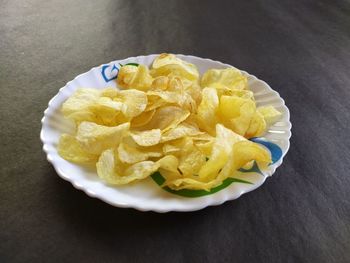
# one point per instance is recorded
(159, 179)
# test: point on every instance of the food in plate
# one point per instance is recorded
(192, 129)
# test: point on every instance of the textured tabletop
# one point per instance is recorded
(301, 48)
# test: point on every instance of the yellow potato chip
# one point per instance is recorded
(147, 138)
(166, 118)
(142, 119)
(207, 110)
(205, 147)
(110, 169)
(257, 126)
(129, 154)
(191, 161)
(229, 77)
(236, 113)
(167, 64)
(169, 148)
(106, 110)
(110, 93)
(134, 102)
(169, 163)
(70, 149)
(84, 115)
(81, 100)
(191, 183)
(154, 102)
(222, 147)
(95, 138)
(160, 83)
(182, 130)
(246, 151)
(270, 114)
(134, 77)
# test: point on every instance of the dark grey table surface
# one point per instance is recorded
(301, 48)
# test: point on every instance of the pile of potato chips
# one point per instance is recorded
(191, 129)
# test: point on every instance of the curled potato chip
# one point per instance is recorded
(113, 171)
(167, 64)
(207, 109)
(169, 148)
(229, 77)
(154, 102)
(246, 151)
(147, 138)
(84, 115)
(129, 154)
(134, 77)
(166, 118)
(110, 93)
(70, 149)
(222, 147)
(236, 112)
(191, 161)
(182, 130)
(134, 102)
(169, 163)
(95, 138)
(160, 83)
(269, 113)
(205, 147)
(106, 110)
(142, 119)
(81, 100)
(257, 126)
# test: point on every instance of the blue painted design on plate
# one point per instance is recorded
(109, 72)
(276, 152)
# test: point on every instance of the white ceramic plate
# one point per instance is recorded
(148, 195)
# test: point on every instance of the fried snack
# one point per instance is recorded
(192, 130)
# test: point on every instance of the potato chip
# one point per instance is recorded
(166, 118)
(70, 149)
(191, 161)
(84, 115)
(147, 138)
(134, 102)
(160, 83)
(229, 77)
(134, 77)
(106, 110)
(96, 138)
(169, 163)
(222, 147)
(182, 99)
(154, 102)
(236, 113)
(130, 154)
(142, 119)
(257, 126)
(169, 148)
(110, 93)
(207, 109)
(205, 147)
(182, 130)
(246, 151)
(110, 169)
(81, 100)
(269, 113)
(167, 64)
